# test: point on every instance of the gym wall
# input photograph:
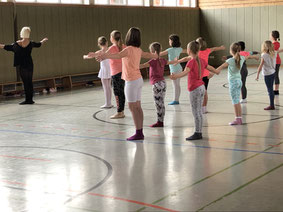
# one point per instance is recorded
(7, 72)
(251, 24)
(73, 31)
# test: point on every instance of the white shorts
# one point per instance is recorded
(133, 90)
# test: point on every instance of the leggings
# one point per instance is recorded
(269, 80)
(118, 87)
(106, 83)
(277, 80)
(196, 99)
(244, 74)
(177, 89)
(235, 90)
(26, 75)
(159, 90)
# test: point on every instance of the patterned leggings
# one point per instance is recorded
(196, 99)
(159, 90)
(118, 87)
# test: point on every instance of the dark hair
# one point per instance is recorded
(117, 36)
(242, 45)
(194, 47)
(202, 43)
(133, 37)
(155, 46)
(102, 41)
(175, 40)
(275, 34)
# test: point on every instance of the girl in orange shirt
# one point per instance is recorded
(131, 56)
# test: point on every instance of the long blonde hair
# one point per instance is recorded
(235, 49)
(268, 48)
(194, 46)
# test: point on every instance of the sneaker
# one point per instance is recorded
(243, 101)
(106, 106)
(27, 103)
(237, 121)
(204, 111)
(269, 108)
(157, 124)
(118, 115)
(195, 136)
(276, 92)
(174, 103)
(136, 137)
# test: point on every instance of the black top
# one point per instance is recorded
(22, 56)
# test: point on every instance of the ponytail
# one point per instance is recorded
(199, 66)
(117, 36)
(238, 60)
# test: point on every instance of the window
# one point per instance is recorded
(174, 3)
(146, 3)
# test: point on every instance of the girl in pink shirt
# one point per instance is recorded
(131, 56)
(195, 71)
(156, 78)
(275, 37)
(116, 73)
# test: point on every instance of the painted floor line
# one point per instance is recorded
(133, 201)
(148, 142)
(206, 178)
(240, 187)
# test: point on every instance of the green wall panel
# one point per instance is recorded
(73, 31)
(7, 71)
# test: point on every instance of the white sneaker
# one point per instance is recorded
(106, 106)
(243, 101)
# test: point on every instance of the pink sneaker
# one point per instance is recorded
(237, 121)
(269, 108)
(157, 124)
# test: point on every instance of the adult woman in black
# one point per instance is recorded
(22, 59)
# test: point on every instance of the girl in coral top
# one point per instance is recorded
(116, 73)
(275, 37)
(131, 56)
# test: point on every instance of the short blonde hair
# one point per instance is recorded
(25, 32)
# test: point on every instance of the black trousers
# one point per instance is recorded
(244, 74)
(118, 87)
(26, 75)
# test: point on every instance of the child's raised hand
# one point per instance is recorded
(100, 57)
(85, 57)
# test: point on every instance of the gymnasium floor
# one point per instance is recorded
(65, 154)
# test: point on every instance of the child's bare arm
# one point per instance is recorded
(259, 68)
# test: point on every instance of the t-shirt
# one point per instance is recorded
(204, 55)
(22, 55)
(233, 71)
(156, 70)
(268, 67)
(244, 53)
(276, 48)
(115, 64)
(131, 64)
(173, 54)
(194, 81)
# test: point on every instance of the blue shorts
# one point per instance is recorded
(235, 90)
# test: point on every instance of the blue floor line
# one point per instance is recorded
(149, 142)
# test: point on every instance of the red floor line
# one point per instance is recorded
(132, 201)
(24, 158)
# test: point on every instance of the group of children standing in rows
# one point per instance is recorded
(122, 63)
